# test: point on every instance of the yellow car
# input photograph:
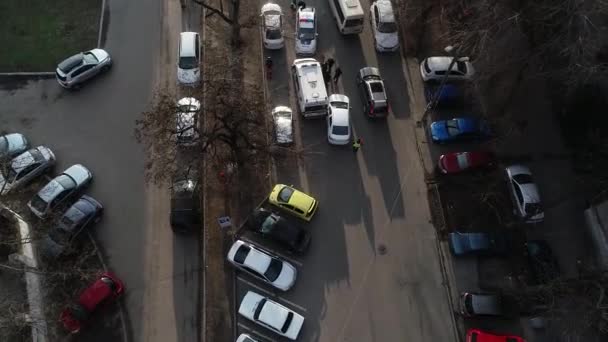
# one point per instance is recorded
(294, 201)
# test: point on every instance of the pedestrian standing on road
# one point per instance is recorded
(301, 4)
(357, 144)
(329, 63)
(326, 75)
(337, 74)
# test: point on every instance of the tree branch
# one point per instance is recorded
(214, 11)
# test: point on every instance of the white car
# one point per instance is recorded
(272, 29)
(384, 27)
(269, 268)
(187, 130)
(338, 120)
(271, 315)
(524, 194)
(245, 338)
(25, 167)
(189, 59)
(282, 117)
(306, 31)
(434, 69)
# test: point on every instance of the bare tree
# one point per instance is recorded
(232, 19)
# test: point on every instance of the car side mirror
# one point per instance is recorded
(316, 34)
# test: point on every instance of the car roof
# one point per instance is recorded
(95, 294)
(77, 212)
(340, 117)
(257, 260)
(273, 314)
(71, 62)
(485, 303)
(55, 187)
(187, 42)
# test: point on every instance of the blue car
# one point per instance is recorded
(477, 244)
(450, 95)
(459, 129)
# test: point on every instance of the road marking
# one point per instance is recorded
(301, 308)
(272, 295)
(282, 256)
(257, 333)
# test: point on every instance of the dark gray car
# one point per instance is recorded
(479, 304)
(373, 92)
(185, 206)
(81, 215)
(477, 243)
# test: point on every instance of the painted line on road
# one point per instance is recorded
(282, 256)
(270, 294)
(101, 20)
(254, 331)
(299, 307)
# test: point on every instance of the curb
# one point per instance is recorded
(28, 74)
(101, 22)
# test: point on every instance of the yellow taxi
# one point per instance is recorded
(293, 201)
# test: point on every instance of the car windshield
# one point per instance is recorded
(38, 203)
(287, 323)
(273, 33)
(285, 194)
(90, 58)
(388, 27)
(339, 104)
(258, 309)
(241, 254)
(523, 178)
(188, 108)
(452, 126)
(268, 224)
(283, 115)
(340, 130)
(306, 33)
(188, 63)
(274, 270)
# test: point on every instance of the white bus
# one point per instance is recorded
(309, 87)
(349, 15)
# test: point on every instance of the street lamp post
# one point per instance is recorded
(433, 103)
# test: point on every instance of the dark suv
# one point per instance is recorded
(373, 92)
(185, 206)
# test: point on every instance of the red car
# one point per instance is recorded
(460, 161)
(104, 290)
(475, 335)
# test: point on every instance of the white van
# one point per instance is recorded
(189, 58)
(310, 87)
(349, 15)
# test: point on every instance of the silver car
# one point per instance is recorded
(12, 145)
(60, 190)
(73, 71)
(384, 27)
(25, 167)
(187, 130)
(282, 118)
(524, 193)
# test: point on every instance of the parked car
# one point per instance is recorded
(60, 190)
(25, 167)
(263, 265)
(271, 315)
(435, 68)
(542, 262)
(271, 225)
(477, 243)
(245, 338)
(185, 214)
(373, 92)
(338, 120)
(476, 335)
(480, 304)
(79, 217)
(293, 201)
(106, 289)
(282, 117)
(460, 129)
(306, 31)
(524, 194)
(456, 162)
(448, 96)
(189, 59)
(272, 26)
(384, 27)
(12, 145)
(73, 71)
(187, 130)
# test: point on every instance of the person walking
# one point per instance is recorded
(268, 67)
(329, 64)
(337, 74)
(357, 144)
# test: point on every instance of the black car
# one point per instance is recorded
(542, 262)
(477, 244)
(185, 206)
(82, 214)
(277, 228)
(373, 92)
(480, 304)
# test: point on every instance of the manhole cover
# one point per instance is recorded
(382, 249)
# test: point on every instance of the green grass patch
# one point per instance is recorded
(37, 34)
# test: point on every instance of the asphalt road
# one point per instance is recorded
(94, 126)
(372, 272)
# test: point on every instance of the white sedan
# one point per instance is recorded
(282, 118)
(384, 27)
(434, 69)
(271, 315)
(524, 194)
(338, 121)
(272, 29)
(263, 265)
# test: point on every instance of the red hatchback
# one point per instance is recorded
(475, 335)
(460, 161)
(104, 290)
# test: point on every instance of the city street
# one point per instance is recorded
(94, 126)
(372, 272)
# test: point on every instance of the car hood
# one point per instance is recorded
(188, 76)
(387, 40)
(100, 54)
(79, 173)
(287, 277)
(16, 144)
(439, 130)
(284, 130)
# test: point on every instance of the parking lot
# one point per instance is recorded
(372, 270)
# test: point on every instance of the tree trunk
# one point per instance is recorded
(236, 27)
